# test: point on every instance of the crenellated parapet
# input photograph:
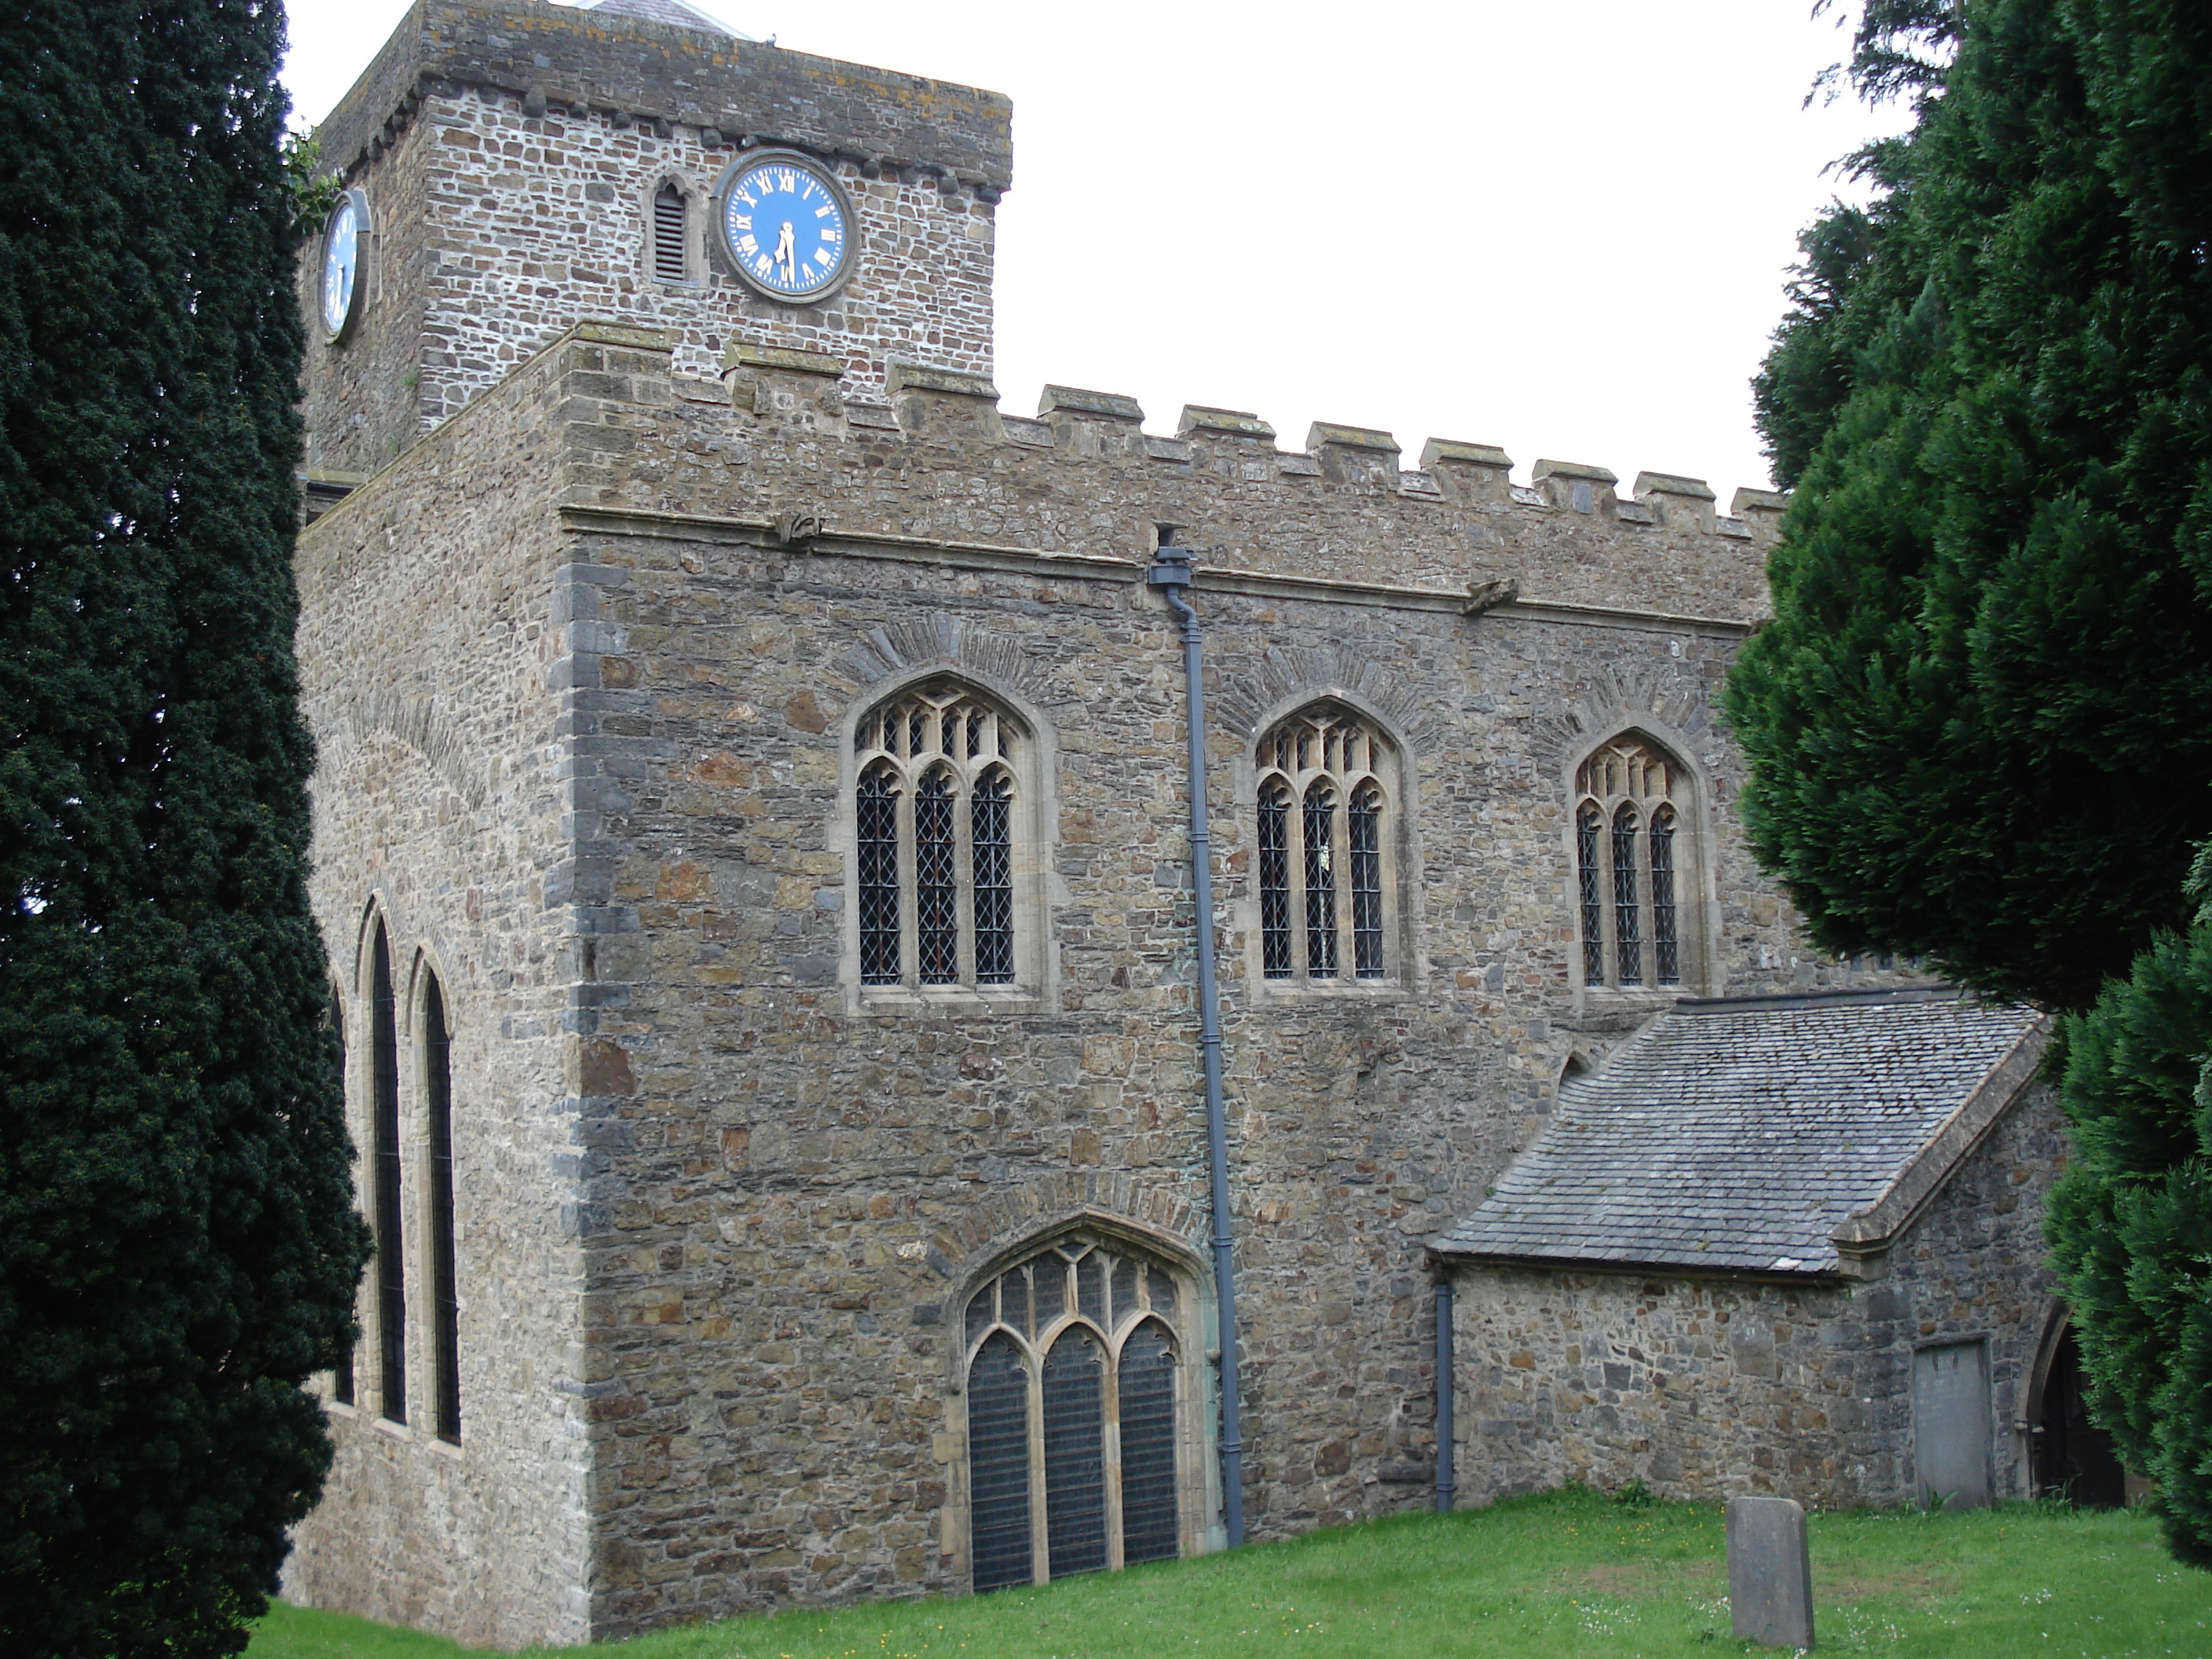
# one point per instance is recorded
(785, 437)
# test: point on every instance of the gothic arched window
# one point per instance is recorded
(1632, 854)
(384, 1131)
(334, 1017)
(445, 1287)
(1326, 777)
(938, 843)
(1075, 1413)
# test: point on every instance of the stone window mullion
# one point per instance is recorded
(1039, 1535)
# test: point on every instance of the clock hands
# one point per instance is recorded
(786, 253)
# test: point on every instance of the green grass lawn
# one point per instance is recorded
(1566, 1573)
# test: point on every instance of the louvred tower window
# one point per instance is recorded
(940, 848)
(671, 260)
(1076, 1446)
(1632, 867)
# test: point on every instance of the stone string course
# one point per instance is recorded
(583, 709)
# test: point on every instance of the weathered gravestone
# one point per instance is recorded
(1770, 1572)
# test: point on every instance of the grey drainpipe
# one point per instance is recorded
(1170, 573)
(1445, 1484)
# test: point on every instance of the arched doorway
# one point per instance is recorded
(2073, 1457)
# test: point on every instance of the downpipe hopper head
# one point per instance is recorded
(1170, 565)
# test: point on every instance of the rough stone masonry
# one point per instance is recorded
(619, 573)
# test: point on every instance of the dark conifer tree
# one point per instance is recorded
(1977, 725)
(178, 1246)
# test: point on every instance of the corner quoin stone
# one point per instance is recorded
(1770, 1565)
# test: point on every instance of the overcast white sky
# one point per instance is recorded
(1557, 227)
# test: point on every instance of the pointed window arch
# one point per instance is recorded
(1079, 1410)
(1326, 780)
(943, 854)
(1635, 856)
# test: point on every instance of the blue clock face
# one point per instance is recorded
(786, 227)
(341, 266)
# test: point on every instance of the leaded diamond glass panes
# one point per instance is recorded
(1627, 938)
(1590, 823)
(876, 845)
(1362, 826)
(1324, 847)
(937, 824)
(1321, 882)
(937, 892)
(1079, 1340)
(1275, 881)
(1632, 856)
(991, 840)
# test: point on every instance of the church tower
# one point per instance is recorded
(510, 166)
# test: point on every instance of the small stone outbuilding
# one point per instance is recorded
(1775, 1244)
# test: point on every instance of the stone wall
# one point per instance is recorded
(433, 657)
(1707, 1389)
(586, 679)
(509, 153)
(809, 1175)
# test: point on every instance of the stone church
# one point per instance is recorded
(753, 846)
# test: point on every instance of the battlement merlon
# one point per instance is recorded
(544, 53)
(787, 457)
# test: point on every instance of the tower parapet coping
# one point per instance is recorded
(642, 72)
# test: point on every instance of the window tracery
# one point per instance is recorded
(1632, 798)
(936, 838)
(1325, 777)
(1073, 1415)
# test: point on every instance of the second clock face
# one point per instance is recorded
(786, 226)
(342, 267)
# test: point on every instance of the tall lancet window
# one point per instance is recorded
(342, 1374)
(1078, 1415)
(444, 1284)
(1327, 843)
(941, 853)
(1634, 859)
(384, 1129)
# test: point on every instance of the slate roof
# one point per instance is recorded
(1737, 1136)
(667, 11)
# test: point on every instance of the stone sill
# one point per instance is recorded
(898, 999)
